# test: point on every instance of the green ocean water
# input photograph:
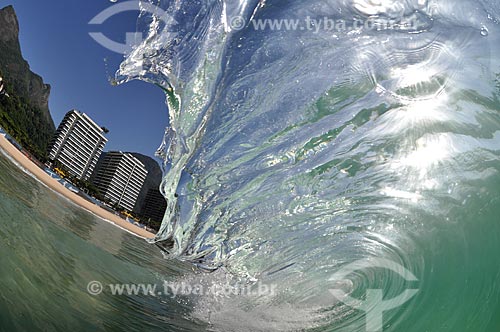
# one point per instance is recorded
(50, 250)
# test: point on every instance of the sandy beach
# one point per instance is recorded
(56, 186)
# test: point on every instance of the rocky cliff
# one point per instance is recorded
(16, 72)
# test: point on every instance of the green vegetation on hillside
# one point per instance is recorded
(25, 123)
(24, 114)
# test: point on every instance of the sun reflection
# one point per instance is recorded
(430, 151)
(413, 114)
(413, 74)
(378, 7)
(414, 197)
(426, 111)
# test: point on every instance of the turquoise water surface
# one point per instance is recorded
(51, 250)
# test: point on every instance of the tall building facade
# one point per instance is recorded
(120, 176)
(155, 206)
(1, 86)
(77, 144)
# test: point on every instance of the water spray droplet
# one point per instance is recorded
(484, 31)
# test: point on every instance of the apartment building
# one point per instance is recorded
(120, 176)
(155, 206)
(77, 144)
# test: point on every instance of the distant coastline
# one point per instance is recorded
(53, 184)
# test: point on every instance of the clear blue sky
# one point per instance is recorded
(55, 41)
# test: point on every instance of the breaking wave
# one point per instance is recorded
(291, 154)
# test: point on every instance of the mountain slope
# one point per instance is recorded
(27, 110)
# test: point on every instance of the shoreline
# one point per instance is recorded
(53, 184)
